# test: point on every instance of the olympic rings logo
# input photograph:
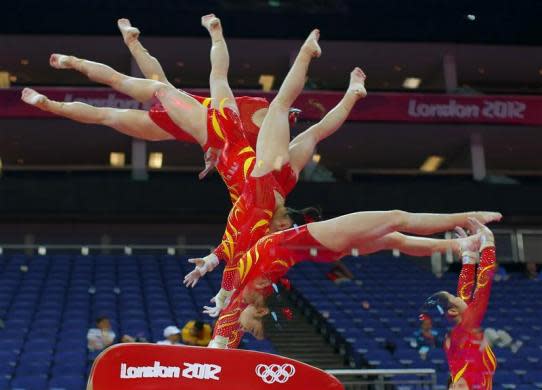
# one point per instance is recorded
(275, 373)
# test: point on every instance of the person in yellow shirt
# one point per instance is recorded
(197, 333)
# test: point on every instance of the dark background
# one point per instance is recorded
(497, 21)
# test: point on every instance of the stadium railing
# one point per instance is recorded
(382, 379)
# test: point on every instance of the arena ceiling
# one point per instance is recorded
(481, 21)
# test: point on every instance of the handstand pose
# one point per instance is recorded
(471, 360)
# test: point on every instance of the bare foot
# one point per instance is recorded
(487, 216)
(311, 46)
(60, 61)
(129, 33)
(32, 97)
(357, 82)
(211, 23)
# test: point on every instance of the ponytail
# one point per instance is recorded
(304, 216)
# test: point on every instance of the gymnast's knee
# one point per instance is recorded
(397, 220)
(279, 106)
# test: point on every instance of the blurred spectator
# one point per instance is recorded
(425, 338)
(172, 335)
(100, 337)
(197, 333)
(340, 273)
(502, 339)
(531, 269)
(500, 274)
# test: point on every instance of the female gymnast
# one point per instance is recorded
(471, 360)
(252, 110)
(327, 241)
(260, 208)
(155, 124)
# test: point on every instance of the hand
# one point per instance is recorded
(221, 300)
(211, 159)
(212, 311)
(192, 278)
(203, 265)
(466, 245)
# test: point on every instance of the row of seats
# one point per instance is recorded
(377, 313)
(48, 303)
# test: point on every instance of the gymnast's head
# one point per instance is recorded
(446, 304)
(286, 217)
(253, 296)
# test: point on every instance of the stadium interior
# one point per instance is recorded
(95, 223)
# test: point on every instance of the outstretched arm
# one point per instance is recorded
(149, 65)
(302, 147)
(473, 316)
(467, 277)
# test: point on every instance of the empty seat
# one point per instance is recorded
(33, 382)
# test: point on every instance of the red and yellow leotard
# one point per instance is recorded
(469, 356)
(247, 106)
(270, 259)
(237, 162)
(253, 209)
(255, 200)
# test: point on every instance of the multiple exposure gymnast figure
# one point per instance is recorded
(260, 208)
(248, 140)
(365, 232)
(155, 124)
(252, 110)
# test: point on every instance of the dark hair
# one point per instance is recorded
(439, 301)
(450, 381)
(198, 325)
(100, 319)
(304, 216)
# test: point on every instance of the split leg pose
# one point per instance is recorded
(327, 241)
(135, 123)
(252, 110)
(300, 151)
(202, 126)
(149, 65)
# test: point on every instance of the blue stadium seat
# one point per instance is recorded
(72, 382)
(53, 313)
(36, 382)
(74, 367)
(534, 378)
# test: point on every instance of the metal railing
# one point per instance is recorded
(514, 246)
(92, 249)
(375, 379)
